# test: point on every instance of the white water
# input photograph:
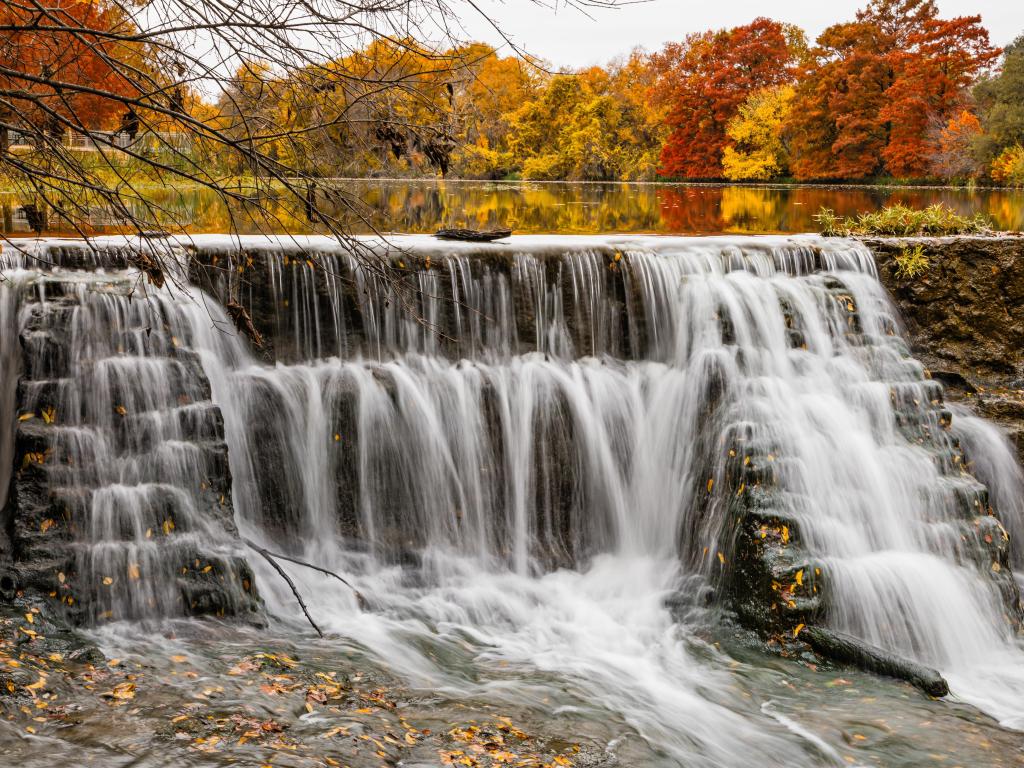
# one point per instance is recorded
(547, 505)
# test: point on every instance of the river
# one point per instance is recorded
(364, 205)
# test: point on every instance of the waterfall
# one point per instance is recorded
(537, 456)
(123, 501)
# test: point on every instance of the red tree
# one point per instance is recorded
(941, 60)
(874, 87)
(48, 51)
(702, 83)
(834, 126)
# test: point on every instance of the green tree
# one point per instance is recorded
(1000, 100)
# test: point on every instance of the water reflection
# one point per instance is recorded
(424, 206)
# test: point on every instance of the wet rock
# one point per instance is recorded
(964, 318)
(147, 438)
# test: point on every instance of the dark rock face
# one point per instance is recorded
(965, 318)
(318, 304)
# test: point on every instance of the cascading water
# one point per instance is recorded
(126, 456)
(532, 463)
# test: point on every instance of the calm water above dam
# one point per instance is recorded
(546, 208)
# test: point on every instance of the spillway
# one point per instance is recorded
(559, 455)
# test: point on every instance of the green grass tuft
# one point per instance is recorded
(911, 262)
(900, 221)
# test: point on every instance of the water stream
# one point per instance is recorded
(531, 476)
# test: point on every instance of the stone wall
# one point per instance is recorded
(964, 318)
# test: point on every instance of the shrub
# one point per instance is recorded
(901, 221)
(1008, 167)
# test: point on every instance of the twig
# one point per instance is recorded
(363, 604)
(270, 559)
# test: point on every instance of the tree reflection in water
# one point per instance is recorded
(558, 207)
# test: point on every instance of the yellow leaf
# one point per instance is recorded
(796, 629)
(179, 659)
(107, 580)
(721, 558)
(133, 571)
(207, 569)
(168, 526)
(46, 525)
(124, 691)
(740, 491)
(61, 577)
(49, 415)
(800, 577)
(121, 410)
(26, 416)
(785, 534)
(711, 483)
(30, 618)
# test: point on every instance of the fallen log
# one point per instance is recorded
(847, 649)
(473, 235)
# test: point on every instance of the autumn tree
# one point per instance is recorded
(592, 125)
(489, 90)
(759, 148)
(951, 146)
(872, 88)
(934, 66)
(703, 81)
(31, 59)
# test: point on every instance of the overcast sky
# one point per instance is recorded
(567, 38)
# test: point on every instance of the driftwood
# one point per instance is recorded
(243, 322)
(473, 235)
(859, 653)
(359, 597)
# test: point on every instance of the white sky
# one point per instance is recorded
(568, 39)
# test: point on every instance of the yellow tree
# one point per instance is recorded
(593, 125)
(759, 150)
(488, 90)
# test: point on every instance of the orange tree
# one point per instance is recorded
(703, 81)
(872, 88)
